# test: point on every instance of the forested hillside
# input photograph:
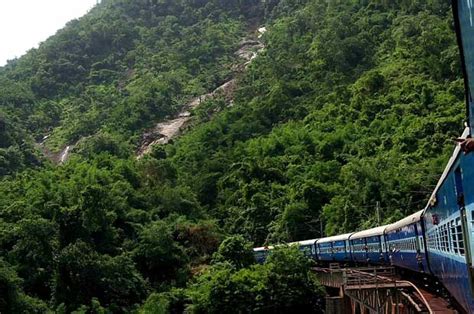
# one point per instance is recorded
(351, 106)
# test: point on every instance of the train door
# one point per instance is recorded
(348, 250)
(466, 223)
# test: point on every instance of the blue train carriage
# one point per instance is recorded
(334, 249)
(308, 247)
(448, 218)
(449, 215)
(368, 246)
(261, 253)
(406, 243)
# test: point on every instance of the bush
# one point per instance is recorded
(173, 301)
(235, 250)
(12, 298)
(285, 282)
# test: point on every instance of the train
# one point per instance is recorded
(438, 239)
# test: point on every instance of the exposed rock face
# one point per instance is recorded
(164, 131)
(56, 157)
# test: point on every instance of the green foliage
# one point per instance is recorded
(83, 274)
(173, 301)
(351, 104)
(158, 256)
(12, 298)
(118, 69)
(285, 282)
(236, 251)
(102, 143)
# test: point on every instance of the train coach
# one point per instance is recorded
(334, 249)
(308, 247)
(368, 246)
(449, 228)
(405, 243)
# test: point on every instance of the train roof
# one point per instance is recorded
(413, 218)
(306, 242)
(340, 237)
(271, 247)
(262, 248)
(368, 233)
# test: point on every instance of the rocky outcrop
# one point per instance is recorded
(56, 157)
(164, 131)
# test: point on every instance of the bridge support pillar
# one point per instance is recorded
(335, 305)
(338, 302)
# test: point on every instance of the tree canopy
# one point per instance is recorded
(349, 107)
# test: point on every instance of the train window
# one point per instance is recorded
(457, 236)
(450, 237)
(460, 237)
(454, 238)
(438, 239)
(444, 238)
(432, 241)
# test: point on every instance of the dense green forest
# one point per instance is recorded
(351, 106)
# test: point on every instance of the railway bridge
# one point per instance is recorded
(372, 290)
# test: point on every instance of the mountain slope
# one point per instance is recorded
(349, 108)
(122, 67)
(350, 105)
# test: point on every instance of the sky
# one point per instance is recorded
(26, 23)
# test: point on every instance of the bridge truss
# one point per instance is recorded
(376, 290)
